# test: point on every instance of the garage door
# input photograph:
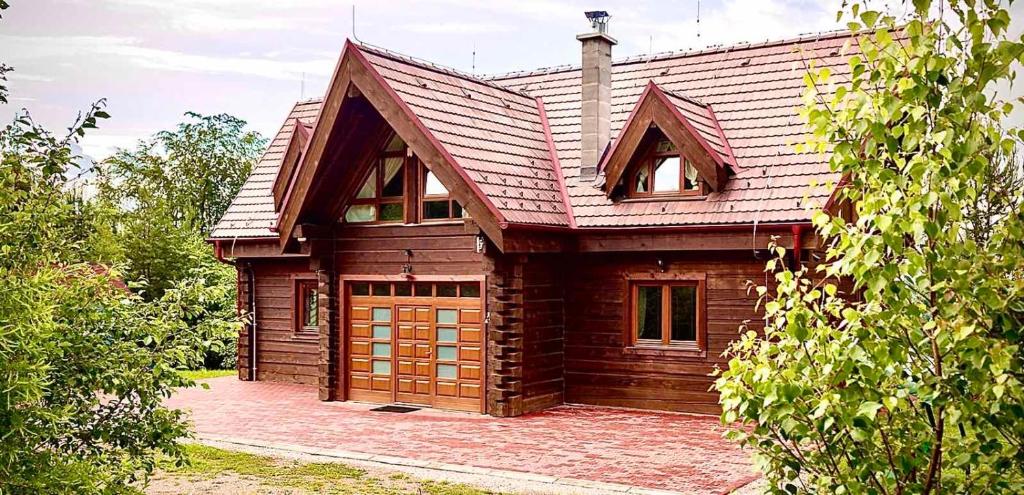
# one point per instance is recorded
(417, 343)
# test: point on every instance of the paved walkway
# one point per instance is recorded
(678, 452)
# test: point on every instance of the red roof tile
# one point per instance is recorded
(743, 100)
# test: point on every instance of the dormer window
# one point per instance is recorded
(663, 171)
(381, 197)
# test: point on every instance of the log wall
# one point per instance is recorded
(598, 367)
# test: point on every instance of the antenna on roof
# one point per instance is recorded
(474, 59)
(698, 19)
(354, 24)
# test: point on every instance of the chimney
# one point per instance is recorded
(596, 101)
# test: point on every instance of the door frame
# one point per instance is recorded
(342, 358)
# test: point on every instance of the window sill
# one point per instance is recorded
(668, 352)
(663, 198)
(306, 336)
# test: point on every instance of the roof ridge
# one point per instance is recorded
(681, 96)
(710, 49)
(432, 66)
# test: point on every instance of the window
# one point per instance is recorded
(308, 303)
(381, 197)
(667, 314)
(437, 203)
(664, 171)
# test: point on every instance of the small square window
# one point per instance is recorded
(403, 289)
(446, 290)
(360, 289)
(424, 290)
(382, 289)
(469, 290)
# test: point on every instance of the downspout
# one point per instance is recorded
(251, 289)
(797, 247)
(252, 320)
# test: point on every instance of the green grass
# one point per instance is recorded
(313, 477)
(204, 374)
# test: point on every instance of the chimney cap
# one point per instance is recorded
(598, 20)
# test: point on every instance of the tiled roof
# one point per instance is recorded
(252, 214)
(702, 118)
(494, 133)
(755, 92)
(494, 130)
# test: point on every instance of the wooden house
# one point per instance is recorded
(505, 244)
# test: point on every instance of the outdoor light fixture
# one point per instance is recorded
(661, 265)
(598, 19)
(407, 267)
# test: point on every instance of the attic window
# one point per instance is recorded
(663, 171)
(381, 196)
(437, 202)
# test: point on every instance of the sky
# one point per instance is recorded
(153, 60)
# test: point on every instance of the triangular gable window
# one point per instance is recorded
(381, 197)
(660, 169)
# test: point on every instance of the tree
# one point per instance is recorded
(162, 197)
(193, 171)
(913, 382)
(84, 364)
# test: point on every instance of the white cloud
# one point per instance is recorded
(21, 76)
(455, 28)
(44, 47)
(732, 21)
(99, 147)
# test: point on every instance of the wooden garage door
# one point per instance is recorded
(418, 343)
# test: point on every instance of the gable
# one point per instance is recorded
(496, 162)
(293, 152)
(755, 91)
(655, 109)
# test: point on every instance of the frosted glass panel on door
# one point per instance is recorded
(447, 316)
(449, 371)
(382, 367)
(446, 352)
(381, 314)
(381, 350)
(447, 335)
(381, 332)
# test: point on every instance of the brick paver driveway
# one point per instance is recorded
(678, 452)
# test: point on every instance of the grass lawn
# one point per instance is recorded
(203, 374)
(218, 471)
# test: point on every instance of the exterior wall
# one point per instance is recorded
(556, 323)
(543, 332)
(598, 368)
(282, 356)
(379, 250)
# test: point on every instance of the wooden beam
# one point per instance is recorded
(680, 241)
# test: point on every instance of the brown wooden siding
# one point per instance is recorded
(599, 369)
(437, 249)
(380, 250)
(281, 355)
(543, 332)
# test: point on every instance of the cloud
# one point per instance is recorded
(731, 21)
(21, 76)
(204, 16)
(455, 28)
(46, 47)
(99, 147)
